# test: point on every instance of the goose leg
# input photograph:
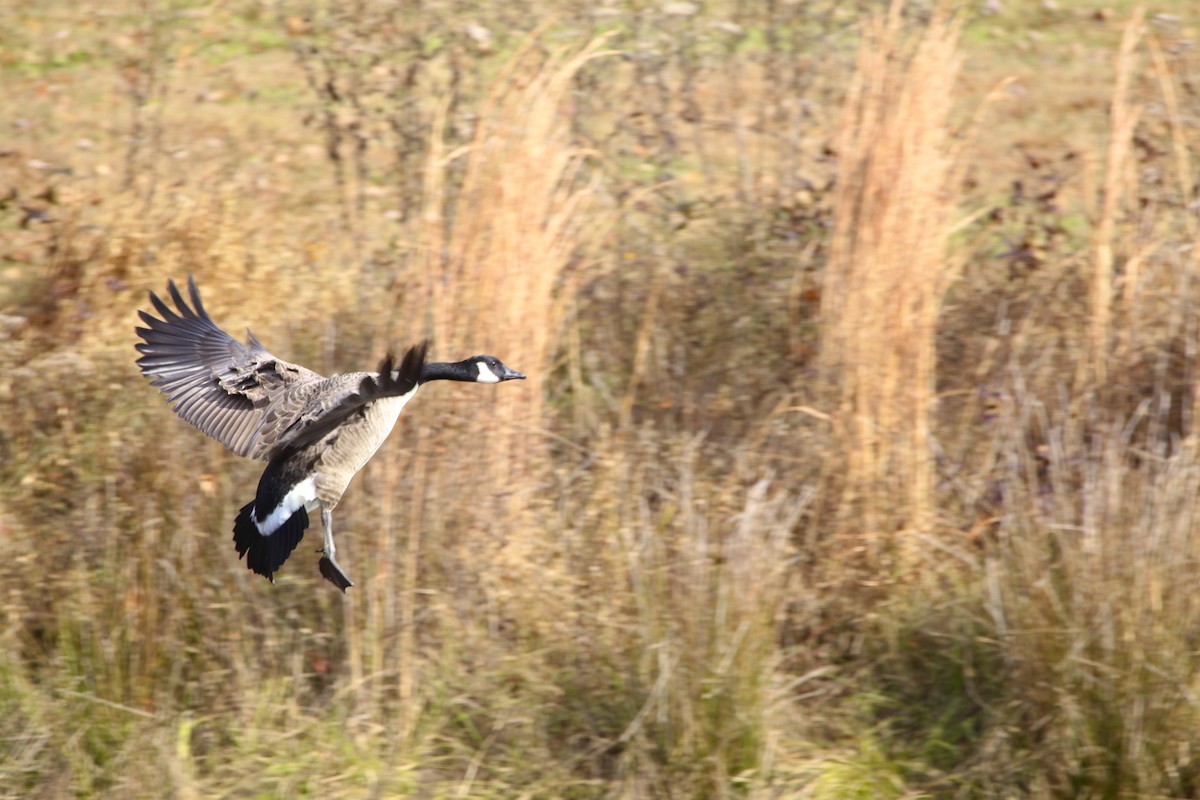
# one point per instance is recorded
(328, 564)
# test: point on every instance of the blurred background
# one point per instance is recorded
(858, 454)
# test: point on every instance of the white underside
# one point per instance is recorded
(303, 494)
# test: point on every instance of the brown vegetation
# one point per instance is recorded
(857, 457)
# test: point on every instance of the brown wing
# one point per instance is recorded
(337, 399)
(213, 381)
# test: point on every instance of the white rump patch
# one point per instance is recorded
(485, 373)
(303, 494)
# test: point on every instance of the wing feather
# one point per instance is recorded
(327, 410)
(222, 386)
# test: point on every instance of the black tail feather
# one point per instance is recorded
(266, 554)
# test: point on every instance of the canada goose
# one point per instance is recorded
(314, 432)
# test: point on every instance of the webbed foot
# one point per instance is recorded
(333, 573)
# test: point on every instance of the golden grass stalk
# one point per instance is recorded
(888, 268)
(495, 258)
(496, 268)
(1179, 139)
(1123, 121)
(504, 220)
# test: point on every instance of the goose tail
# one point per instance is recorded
(265, 553)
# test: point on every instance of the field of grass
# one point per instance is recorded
(857, 458)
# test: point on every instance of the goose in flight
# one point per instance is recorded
(314, 432)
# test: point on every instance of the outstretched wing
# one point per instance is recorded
(341, 397)
(213, 381)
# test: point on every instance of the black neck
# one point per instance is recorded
(443, 371)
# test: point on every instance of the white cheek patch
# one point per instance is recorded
(303, 494)
(485, 374)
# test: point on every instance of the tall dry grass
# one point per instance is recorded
(1124, 115)
(619, 578)
(501, 258)
(1104, 562)
(889, 269)
(492, 272)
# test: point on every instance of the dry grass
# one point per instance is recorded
(889, 270)
(661, 567)
(1124, 115)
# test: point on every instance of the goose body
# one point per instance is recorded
(314, 432)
